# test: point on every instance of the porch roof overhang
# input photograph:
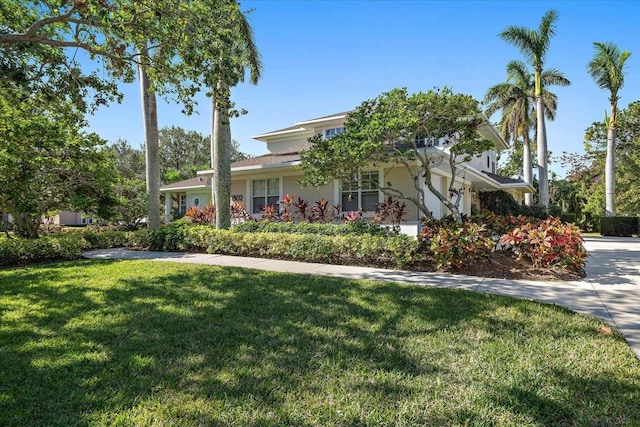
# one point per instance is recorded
(198, 182)
(484, 181)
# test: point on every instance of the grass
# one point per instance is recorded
(143, 343)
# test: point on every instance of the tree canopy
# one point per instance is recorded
(48, 164)
(587, 171)
(396, 128)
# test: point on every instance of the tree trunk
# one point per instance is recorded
(526, 167)
(221, 163)
(610, 173)
(151, 144)
(543, 173)
(26, 225)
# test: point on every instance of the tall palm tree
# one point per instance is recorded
(533, 45)
(246, 55)
(151, 143)
(516, 99)
(607, 69)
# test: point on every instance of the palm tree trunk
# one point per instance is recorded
(526, 167)
(221, 163)
(541, 142)
(610, 173)
(151, 144)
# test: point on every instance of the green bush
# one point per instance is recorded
(354, 227)
(569, 218)
(502, 203)
(454, 245)
(623, 226)
(380, 251)
(20, 251)
(499, 202)
(65, 246)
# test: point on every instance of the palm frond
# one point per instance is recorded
(252, 55)
(607, 67)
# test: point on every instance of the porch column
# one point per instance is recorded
(167, 206)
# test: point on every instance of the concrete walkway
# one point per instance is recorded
(610, 292)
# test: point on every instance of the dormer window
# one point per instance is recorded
(330, 133)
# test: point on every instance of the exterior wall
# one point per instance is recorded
(480, 162)
(402, 181)
(310, 194)
(68, 218)
(285, 144)
(239, 191)
(203, 195)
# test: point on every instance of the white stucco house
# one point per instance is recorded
(264, 180)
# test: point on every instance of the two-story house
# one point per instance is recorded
(264, 180)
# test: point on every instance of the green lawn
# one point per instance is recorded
(144, 343)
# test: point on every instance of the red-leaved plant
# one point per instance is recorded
(550, 243)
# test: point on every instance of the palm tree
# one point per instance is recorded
(607, 69)
(533, 45)
(246, 54)
(151, 142)
(516, 99)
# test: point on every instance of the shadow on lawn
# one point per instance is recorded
(238, 343)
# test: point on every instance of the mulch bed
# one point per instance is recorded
(504, 266)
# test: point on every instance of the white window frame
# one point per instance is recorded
(254, 209)
(196, 202)
(182, 204)
(359, 191)
(331, 132)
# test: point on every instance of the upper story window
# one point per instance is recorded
(359, 191)
(330, 133)
(422, 141)
(265, 192)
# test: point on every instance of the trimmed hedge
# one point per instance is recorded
(65, 246)
(569, 218)
(622, 226)
(355, 227)
(381, 251)
(502, 203)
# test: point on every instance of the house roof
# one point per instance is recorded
(197, 182)
(500, 179)
(285, 156)
(300, 126)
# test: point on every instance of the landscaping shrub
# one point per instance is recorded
(354, 227)
(499, 202)
(454, 245)
(20, 251)
(502, 203)
(363, 249)
(173, 237)
(569, 218)
(65, 246)
(548, 244)
(114, 238)
(622, 226)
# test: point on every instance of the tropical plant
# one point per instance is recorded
(516, 99)
(242, 53)
(607, 69)
(533, 45)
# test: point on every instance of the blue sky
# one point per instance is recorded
(322, 57)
